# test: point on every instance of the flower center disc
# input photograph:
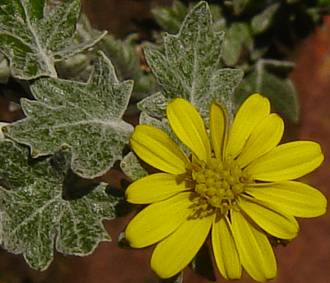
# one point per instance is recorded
(220, 183)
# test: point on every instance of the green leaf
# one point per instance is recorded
(281, 92)
(76, 67)
(170, 18)
(239, 6)
(4, 70)
(154, 105)
(2, 124)
(280, 67)
(218, 17)
(121, 53)
(132, 167)
(87, 117)
(124, 55)
(33, 40)
(261, 22)
(190, 65)
(238, 38)
(324, 3)
(34, 216)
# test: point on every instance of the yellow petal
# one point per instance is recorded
(273, 222)
(286, 162)
(263, 138)
(175, 252)
(156, 148)
(254, 249)
(291, 197)
(158, 220)
(218, 128)
(154, 188)
(225, 252)
(189, 127)
(255, 109)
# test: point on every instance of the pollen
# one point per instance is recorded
(220, 183)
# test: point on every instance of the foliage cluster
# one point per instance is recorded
(74, 85)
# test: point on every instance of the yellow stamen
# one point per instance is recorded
(219, 183)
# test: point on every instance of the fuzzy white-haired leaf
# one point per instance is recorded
(132, 167)
(2, 124)
(33, 38)
(86, 117)
(190, 65)
(34, 216)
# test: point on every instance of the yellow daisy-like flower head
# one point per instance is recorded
(236, 185)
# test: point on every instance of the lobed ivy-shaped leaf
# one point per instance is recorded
(87, 117)
(34, 216)
(190, 65)
(33, 38)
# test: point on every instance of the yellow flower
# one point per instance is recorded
(236, 186)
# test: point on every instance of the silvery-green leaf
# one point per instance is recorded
(2, 124)
(87, 117)
(281, 92)
(32, 39)
(170, 18)
(124, 55)
(154, 105)
(237, 38)
(239, 6)
(258, 52)
(189, 66)
(76, 48)
(277, 66)
(262, 21)
(79, 66)
(34, 216)
(4, 70)
(218, 17)
(131, 166)
(74, 67)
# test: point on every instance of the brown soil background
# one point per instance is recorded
(305, 260)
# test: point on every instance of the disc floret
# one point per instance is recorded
(220, 183)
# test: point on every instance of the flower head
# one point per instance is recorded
(236, 186)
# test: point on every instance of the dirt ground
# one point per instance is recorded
(305, 260)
